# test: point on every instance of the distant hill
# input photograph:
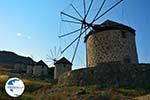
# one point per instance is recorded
(7, 57)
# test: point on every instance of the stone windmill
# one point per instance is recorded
(111, 42)
(108, 42)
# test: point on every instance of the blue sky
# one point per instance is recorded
(32, 27)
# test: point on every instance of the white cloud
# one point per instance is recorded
(23, 36)
(28, 37)
(19, 34)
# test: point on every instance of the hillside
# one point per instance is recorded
(92, 92)
(11, 58)
(37, 89)
(44, 90)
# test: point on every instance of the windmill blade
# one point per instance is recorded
(86, 30)
(48, 57)
(77, 45)
(99, 11)
(49, 61)
(58, 53)
(76, 11)
(74, 41)
(52, 53)
(108, 10)
(76, 49)
(55, 51)
(84, 5)
(88, 9)
(71, 16)
(69, 33)
(71, 21)
(59, 56)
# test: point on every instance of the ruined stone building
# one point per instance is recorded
(61, 66)
(111, 42)
(40, 69)
(32, 69)
(20, 68)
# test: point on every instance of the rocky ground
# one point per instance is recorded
(90, 93)
(36, 89)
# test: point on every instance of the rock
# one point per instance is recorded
(146, 97)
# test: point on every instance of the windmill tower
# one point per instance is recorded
(61, 66)
(111, 42)
(108, 42)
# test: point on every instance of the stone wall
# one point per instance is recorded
(60, 69)
(39, 70)
(29, 70)
(111, 45)
(104, 75)
(20, 68)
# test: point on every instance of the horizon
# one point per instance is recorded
(31, 28)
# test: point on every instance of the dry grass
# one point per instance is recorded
(92, 93)
(43, 90)
(4, 77)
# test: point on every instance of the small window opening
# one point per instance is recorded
(123, 33)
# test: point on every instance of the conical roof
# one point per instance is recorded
(63, 61)
(41, 63)
(109, 25)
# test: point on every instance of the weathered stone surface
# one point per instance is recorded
(111, 45)
(29, 70)
(104, 75)
(36, 70)
(61, 66)
(40, 70)
(20, 68)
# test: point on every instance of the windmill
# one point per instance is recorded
(54, 56)
(83, 21)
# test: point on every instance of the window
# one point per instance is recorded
(123, 34)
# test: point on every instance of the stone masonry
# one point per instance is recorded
(109, 74)
(61, 66)
(111, 42)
